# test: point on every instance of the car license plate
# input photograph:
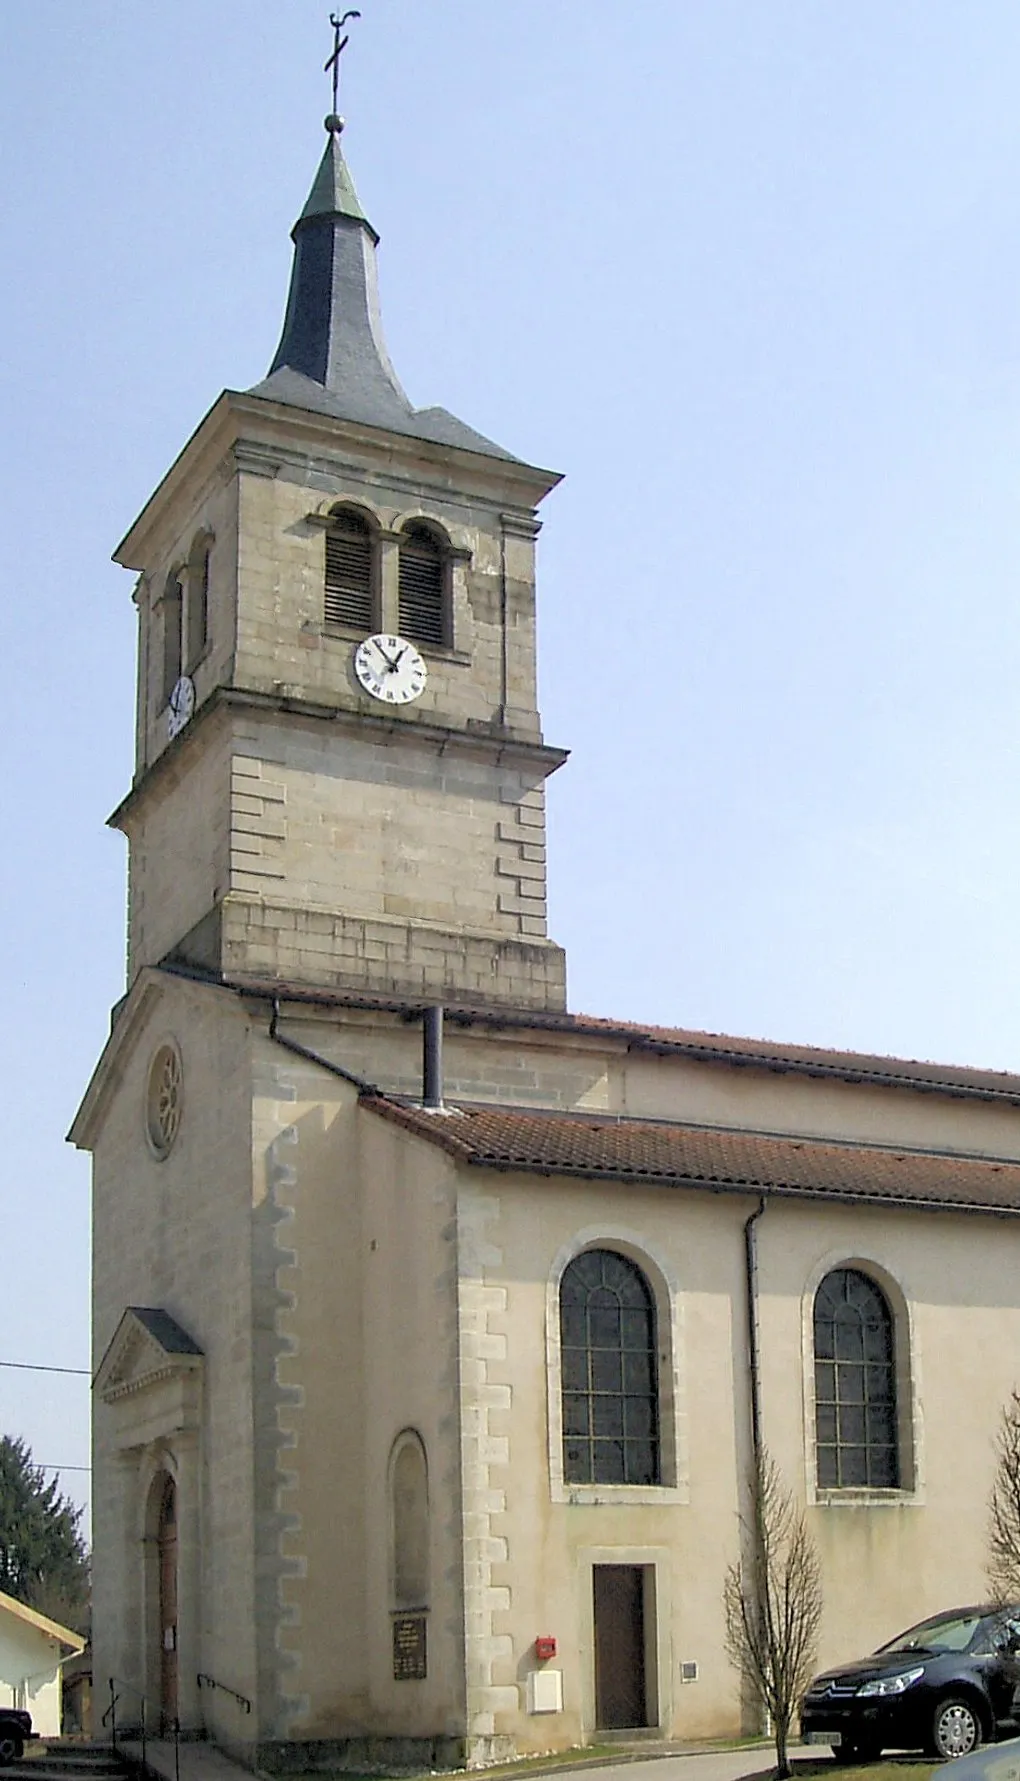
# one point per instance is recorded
(833, 1738)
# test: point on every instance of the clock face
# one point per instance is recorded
(181, 706)
(390, 669)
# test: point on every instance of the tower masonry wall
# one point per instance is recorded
(386, 861)
(210, 513)
(488, 672)
(181, 842)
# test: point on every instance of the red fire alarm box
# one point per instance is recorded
(545, 1648)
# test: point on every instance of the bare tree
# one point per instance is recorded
(1003, 1566)
(773, 1602)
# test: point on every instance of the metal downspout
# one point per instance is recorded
(753, 1360)
(315, 1057)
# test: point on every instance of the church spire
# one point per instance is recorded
(332, 356)
(332, 331)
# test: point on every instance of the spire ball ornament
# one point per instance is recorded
(335, 125)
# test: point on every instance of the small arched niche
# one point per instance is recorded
(409, 1522)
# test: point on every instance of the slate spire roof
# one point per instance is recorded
(332, 356)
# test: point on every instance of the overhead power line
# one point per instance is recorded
(27, 1366)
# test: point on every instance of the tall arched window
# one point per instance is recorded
(855, 1384)
(610, 1382)
(351, 578)
(198, 599)
(172, 605)
(424, 575)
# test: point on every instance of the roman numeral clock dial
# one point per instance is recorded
(390, 669)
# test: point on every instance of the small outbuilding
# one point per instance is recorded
(33, 1651)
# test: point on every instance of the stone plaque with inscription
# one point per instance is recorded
(410, 1653)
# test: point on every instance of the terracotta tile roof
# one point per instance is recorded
(711, 1048)
(653, 1152)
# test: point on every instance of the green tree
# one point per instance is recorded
(44, 1560)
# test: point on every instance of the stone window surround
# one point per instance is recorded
(673, 1448)
(908, 1387)
(386, 542)
(178, 575)
(166, 1046)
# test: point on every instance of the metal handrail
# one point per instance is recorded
(205, 1681)
(165, 1722)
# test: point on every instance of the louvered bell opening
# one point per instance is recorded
(422, 589)
(348, 595)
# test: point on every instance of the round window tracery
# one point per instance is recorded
(163, 1100)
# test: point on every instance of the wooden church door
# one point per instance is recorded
(168, 1602)
(620, 1692)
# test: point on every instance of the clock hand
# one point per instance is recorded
(389, 663)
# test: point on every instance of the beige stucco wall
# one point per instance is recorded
(365, 1336)
(30, 1673)
(594, 1073)
(885, 1562)
(175, 1234)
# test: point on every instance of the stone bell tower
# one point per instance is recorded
(309, 806)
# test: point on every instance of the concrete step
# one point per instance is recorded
(48, 1765)
(43, 1767)
(74, 1751)
(67, 1761)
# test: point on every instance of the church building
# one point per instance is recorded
(435, 1325)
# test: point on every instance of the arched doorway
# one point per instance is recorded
(167, 1543)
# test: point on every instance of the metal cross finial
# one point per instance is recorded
(338, 21)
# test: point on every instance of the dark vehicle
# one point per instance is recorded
(15, 1731)
(941, 1686)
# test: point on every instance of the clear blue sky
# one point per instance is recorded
(750, 275)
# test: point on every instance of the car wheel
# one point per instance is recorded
(955, 1727)
(11, 1747)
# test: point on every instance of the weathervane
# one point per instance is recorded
(335, 123)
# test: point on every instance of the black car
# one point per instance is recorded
(941, 1686)
(15, 1731)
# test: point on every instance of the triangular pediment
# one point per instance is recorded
(148, 1346)
(148, 993)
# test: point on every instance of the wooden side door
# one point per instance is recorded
(621, 1695)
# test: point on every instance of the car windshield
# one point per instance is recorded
(947, 1632)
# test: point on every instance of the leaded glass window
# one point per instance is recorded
(855, 1384)
(610, 1384)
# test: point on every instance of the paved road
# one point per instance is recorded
(201, 1762)
(712, 1765)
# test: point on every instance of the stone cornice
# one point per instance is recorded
(493, 745)
(260, 437)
